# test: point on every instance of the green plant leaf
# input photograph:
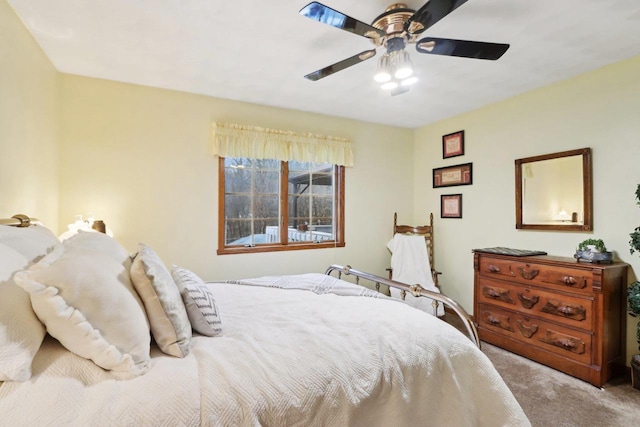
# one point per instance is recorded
(633, 300)
(634, 243)
(598, 243)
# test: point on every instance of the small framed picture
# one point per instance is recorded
(451, 206)
(453, 144)
(453, 175)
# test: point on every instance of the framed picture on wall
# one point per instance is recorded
(451, 206)
(453, 144)
(453, 175)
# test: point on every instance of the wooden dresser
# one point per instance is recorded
(556, 311)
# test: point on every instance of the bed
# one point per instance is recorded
(299, 350)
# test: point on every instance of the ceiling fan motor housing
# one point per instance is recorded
(394, 23)
(392, 20)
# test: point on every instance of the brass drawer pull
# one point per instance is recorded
(493, 320)
(580, 282)
(557, 308)
(497, 294)
(528, 274)
(567, 310)
(498, 321)
(493, 269)
(565, 342)
(528, 302)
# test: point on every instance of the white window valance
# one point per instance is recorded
(233, 140)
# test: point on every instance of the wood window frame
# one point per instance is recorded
(284, 244)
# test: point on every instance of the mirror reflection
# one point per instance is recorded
(553, 191)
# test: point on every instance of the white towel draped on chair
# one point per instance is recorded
(410, 265)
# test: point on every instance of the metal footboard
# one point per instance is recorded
(415, 290)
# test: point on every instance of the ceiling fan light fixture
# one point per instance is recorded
(403, 66)
(389, 85)
(382, 77)
(383, 74)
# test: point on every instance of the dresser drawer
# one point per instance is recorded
(574, 311)
(536, 332)
(552, 277)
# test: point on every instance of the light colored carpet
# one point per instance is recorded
(551, 398)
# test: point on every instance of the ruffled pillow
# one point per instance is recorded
(199, 302)
(85, 298)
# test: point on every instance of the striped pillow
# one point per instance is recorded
(198, 299)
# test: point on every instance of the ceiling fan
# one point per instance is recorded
(393, 30)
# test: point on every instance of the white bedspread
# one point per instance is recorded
(287, 357)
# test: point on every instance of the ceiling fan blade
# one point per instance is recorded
(430, 13)
(339, 66)
(326, 15)
(461, 48)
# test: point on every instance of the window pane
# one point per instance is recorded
(266, 207)
(304, 232)
(264, 231)
(237, 180)
(237, 162)
(324, 188)
(298, 166)
(322, 207)
(267, 182)
(298, 184)
(237, 206)
(267, 164)
(299, 207)
(310, 186)
(238, 232)
(307, 166)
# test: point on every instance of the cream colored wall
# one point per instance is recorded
(598, 110)
(28, 136)
(137, 158)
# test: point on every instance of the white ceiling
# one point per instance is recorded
(259, 51)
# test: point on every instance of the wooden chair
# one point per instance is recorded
(419, 230)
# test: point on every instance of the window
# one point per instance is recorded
(258, 197)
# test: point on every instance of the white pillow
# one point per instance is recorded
(199, 302)
(87, 301)
(33, 241)
(21, 333)
(94, 241)
(162, 301)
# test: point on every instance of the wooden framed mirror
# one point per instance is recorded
(554, 191)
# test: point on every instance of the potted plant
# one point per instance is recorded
(593, 245)
(593, 250)
(633, 301)
(633, 305)
(634, 243)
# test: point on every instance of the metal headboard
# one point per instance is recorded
(417, 291)
(18, 220)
